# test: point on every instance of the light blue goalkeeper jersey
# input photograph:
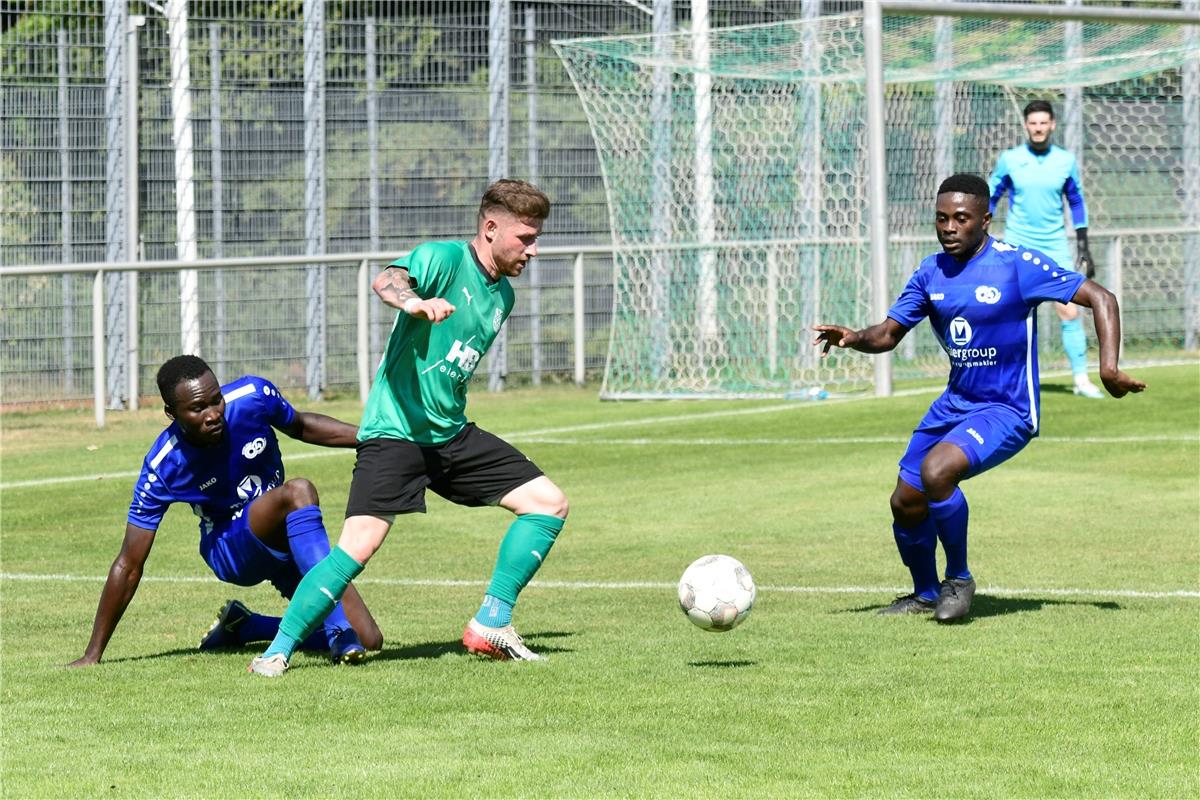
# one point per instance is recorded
(984, 315)
(1037, 184)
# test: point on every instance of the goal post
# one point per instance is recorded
(737, 165)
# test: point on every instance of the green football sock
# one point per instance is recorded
(522, 551)
(316, 595)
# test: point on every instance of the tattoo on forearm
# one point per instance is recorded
(396, 287)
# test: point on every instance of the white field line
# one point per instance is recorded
(643, 585)
(546, 437)
(840, 440)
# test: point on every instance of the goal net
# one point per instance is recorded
(735, 166)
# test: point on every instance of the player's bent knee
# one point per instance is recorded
(362, 536)
(301, 493)
(538, 496)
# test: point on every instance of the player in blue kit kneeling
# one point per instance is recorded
(221, 457)
(981, 296)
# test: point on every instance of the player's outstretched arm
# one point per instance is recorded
(875, 339)
(394, 287)
(313, 428)
(1107, 315)
(123, 578)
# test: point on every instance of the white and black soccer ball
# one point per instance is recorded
(716, 592)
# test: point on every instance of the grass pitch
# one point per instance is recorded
(1076, 675)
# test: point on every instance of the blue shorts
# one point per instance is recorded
(988, 436)
(236, 555)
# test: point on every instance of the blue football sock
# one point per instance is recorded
(310, 545)
(918, 551)
(258, 628)
(1075, 344)
(315, 642)
(951, 515)
(261, 628)
(495, 613)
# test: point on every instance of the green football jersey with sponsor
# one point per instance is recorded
(420, 389)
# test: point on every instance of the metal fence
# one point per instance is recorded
(559, 331)
(565, 299)
(231, 128)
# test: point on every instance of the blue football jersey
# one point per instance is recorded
(1038, 183)
(984, 315)
(217, 482)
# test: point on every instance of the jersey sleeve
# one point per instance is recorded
(912, 305)
(1045, 280)
(151, 498)
(999, 182)
(277, 409)
(424, 265)
(1073, 189)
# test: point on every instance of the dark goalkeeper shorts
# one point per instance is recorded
(475, 468)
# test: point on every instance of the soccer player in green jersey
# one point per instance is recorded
(453, 297)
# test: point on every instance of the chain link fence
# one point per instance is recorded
(314, 127)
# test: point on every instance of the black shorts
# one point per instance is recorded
(475, 468)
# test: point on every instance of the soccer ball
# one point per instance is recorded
(716, 592)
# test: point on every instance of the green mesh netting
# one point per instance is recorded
(735, 169)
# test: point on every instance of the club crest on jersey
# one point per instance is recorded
(497, 318)
(960, 331)
(250, 487)
(987, 294)
(254, 447)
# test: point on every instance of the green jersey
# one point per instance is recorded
(420, 389)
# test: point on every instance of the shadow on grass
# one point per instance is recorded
(415, 652)
(990, 606)
(993, 606)
(250, 650)
(722, 664)
(411, 652)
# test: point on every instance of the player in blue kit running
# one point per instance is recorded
(981, 296)
(220, 456)
(1038, 175)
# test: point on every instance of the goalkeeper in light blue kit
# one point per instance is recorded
(981, 297)
(1038, 175)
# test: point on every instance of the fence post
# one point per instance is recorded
(373, 225)
(64, 161)
(535, 279)
(499, 57)
(132, 212)
(1116, 278)
(877, 230)
(218, 189)
(1191, 181)
(183, 144)
(363, 349)
(98, 346)
(314, 194)
(580, 350)
(116, 23)
(663, 23)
